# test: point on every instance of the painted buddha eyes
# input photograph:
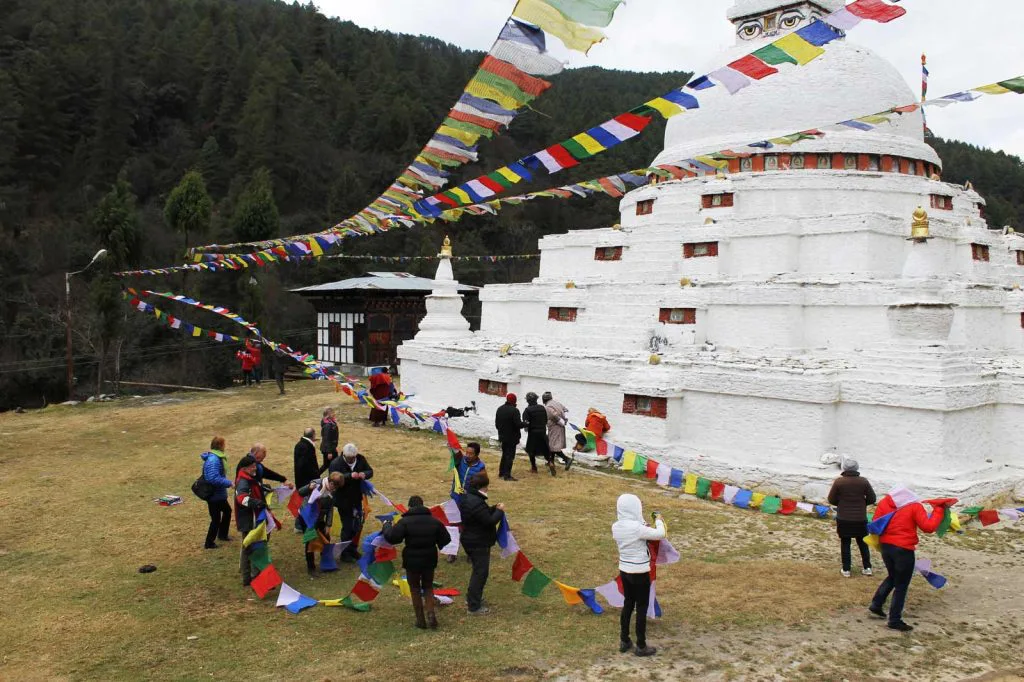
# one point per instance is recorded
(751, 29)
(790, 19)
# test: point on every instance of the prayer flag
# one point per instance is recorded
(520, 567)
(639, 464)
(287, 595)
(451, 510)
(675, 479)
(257, 534)
(717, 489)
(438, 513)
(798, 48)
(381, 572)
(260, 555)
(589, 598)
(843, 19)
(526, 57)
(733, 80)
(574, 35)
(452, 548)
(628, 460)
(752, 67)
(353, 603)
(947, 520)
(667, 554)
(988, 517)
(535, 583)
(729, 494)
(295, 503)
(876, 10)
(601, 446)
(589, 12)
(666, 108)
(691, 484)
(591, 145)
(771, 505)
(652, 469)
(653, 607)
(364, 590)
(309, 514)
(878, 526)
(822, 511)
(788, 507)
(300, 604)
(818, 33)
(267, 580)
(310, 534)
(703, 487)
(662, 473)
(769, 54)
(511, 548)
(1014, 85)
(571, 595)
(611, 593)
(328, 562)
(503, 532)
(756, 499)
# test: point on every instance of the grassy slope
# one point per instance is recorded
(78, 521)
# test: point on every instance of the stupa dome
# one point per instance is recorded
(846, 82)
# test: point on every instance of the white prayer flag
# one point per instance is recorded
(730, 493)
(451, 510)
(287, 595)
(452, 548)
(664, 473)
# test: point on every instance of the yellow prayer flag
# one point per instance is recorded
(509, 175)
(460, 135)
(588, 143)
(994, 89)
(690, 485)
(798, 48)
(873, 542)
(716, 163)
(628, 459)
(403, 586)
(756, 499)
(664, 107)
(571, 595)
(462, 196)
(257, 534)
(485, 91)
(330, 602)
(337, 519)
(954, 521)
(576, 36)
(196, 331)
(315, 249)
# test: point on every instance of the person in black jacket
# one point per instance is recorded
(306, 466)
(249, 502)
(348, 499)
(328, 436)
(263, 472)
(479, 533)
(535, 421)
(423, 536)
(510, 431)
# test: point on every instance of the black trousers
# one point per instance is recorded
(899, 564)
(480, 558)
(636, 587)
(537, 446)
(280, 382)
(220, 520)
(257, 374)
(508, 456)
(422, 582)
(245, 566)
(247, 377)
(845, 545)
(351, 524)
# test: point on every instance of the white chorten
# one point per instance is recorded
(791, 312)
(444, 319)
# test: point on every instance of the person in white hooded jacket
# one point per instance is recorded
(631, 535)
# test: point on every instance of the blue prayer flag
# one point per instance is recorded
(303, 602)
(675, 479)
(589, 598)
(742, 499)
(818, 33)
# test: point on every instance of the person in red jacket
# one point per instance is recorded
(256, 351)
(247, 364)
(899, 540)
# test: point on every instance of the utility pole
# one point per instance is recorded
(100, 255)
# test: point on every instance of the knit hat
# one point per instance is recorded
(510, 398)
(850, 465)
(546, 397)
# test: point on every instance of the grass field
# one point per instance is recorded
(754, 597)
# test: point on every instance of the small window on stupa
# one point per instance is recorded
(874, 162)
(562, 314)
(700, 250)
(796, 162)
(721, 200)
(608, 253)
(645, 406)
(678, 315)
(942, 202)
(979, 252)
(850, 162)
(488, 387)
(824, 161)
(1020, 258)
(645, 207)
(747, 164)
(771, 162)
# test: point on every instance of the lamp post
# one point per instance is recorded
(100, 255)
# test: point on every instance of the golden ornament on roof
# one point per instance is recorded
(570, 284)
(655, 359)
(919, 226)
(446, 248)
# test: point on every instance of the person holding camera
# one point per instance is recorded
(631, 535)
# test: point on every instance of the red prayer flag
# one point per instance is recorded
(602, 447)
(788, 507)
(267, 580)
(295, 503)
(453, 440)
(988, 517)
(385, 554)
(521, 566)
(475, 120)
(633, 121)
(400, 508)
(562, 156)
(447, 592)
(490, 184)
(753, 67)
(437, 511)
(652, 469)
(717, 488)
(876, 10)
(525, 82)
(364, 591)
(653, 546)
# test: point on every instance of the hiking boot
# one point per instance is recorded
(551, 468)
(569, 461)
(625, 645)
(533, 470)
(877, 611)
(646, 651)
(482, 611)
(227, 539)
(210, 545)
(866, 571)
(846, 574)
(901, 626)
(431, 620)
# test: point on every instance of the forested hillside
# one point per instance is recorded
(293, 121)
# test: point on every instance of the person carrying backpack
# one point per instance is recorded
(217, 503)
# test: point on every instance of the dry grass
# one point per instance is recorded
(78, 521)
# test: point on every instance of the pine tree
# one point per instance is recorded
(188, 207)
(255, 216)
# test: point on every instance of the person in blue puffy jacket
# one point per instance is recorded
(220, 511)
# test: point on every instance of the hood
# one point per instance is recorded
(902, 496)
(214, 453)
(418, 511)
(629, 508)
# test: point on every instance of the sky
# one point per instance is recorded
(966, 46)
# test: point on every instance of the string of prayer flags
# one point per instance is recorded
(639, 464)
(612, 593)
(717, 490)
(259, 555)
(547, 15)
(924, 567)
(257, 534)
(354, 603)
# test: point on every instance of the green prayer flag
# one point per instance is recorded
(589, 12)
(769, 54)
(639, 465)
(972, 511)
(381, 572)
(501, 180)
(503, 85)
(467, 127)
(260, 556)
(354, 604)
(771, 505)
(947, 521)
(535, 583)
(1014, 84)
(703, 486)
(309, 535)
(576, 150)
(451, 459)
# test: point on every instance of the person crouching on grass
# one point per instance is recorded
(631, 535)
(325, 513)
(249, 502)
(423, 536)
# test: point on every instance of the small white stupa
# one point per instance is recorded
(833, 297)
(444, 319)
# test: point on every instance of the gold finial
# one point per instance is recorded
(446, 248)
(935, 176)
(570, 284)
(655, 359)
(919, 226)
(685, 282)
(968, 186)
(709, 221)
(505, 349)
(720, 175)
(617, 226)
(1016, 286)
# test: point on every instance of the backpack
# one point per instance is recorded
(203, 489)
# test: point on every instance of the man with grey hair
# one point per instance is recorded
(851, 494)
(348, 498)
(259, 453)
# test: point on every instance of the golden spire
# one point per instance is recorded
(446, 248)
(919, 226)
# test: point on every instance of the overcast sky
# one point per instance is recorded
(968, 44)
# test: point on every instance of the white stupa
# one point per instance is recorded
(754, 326)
